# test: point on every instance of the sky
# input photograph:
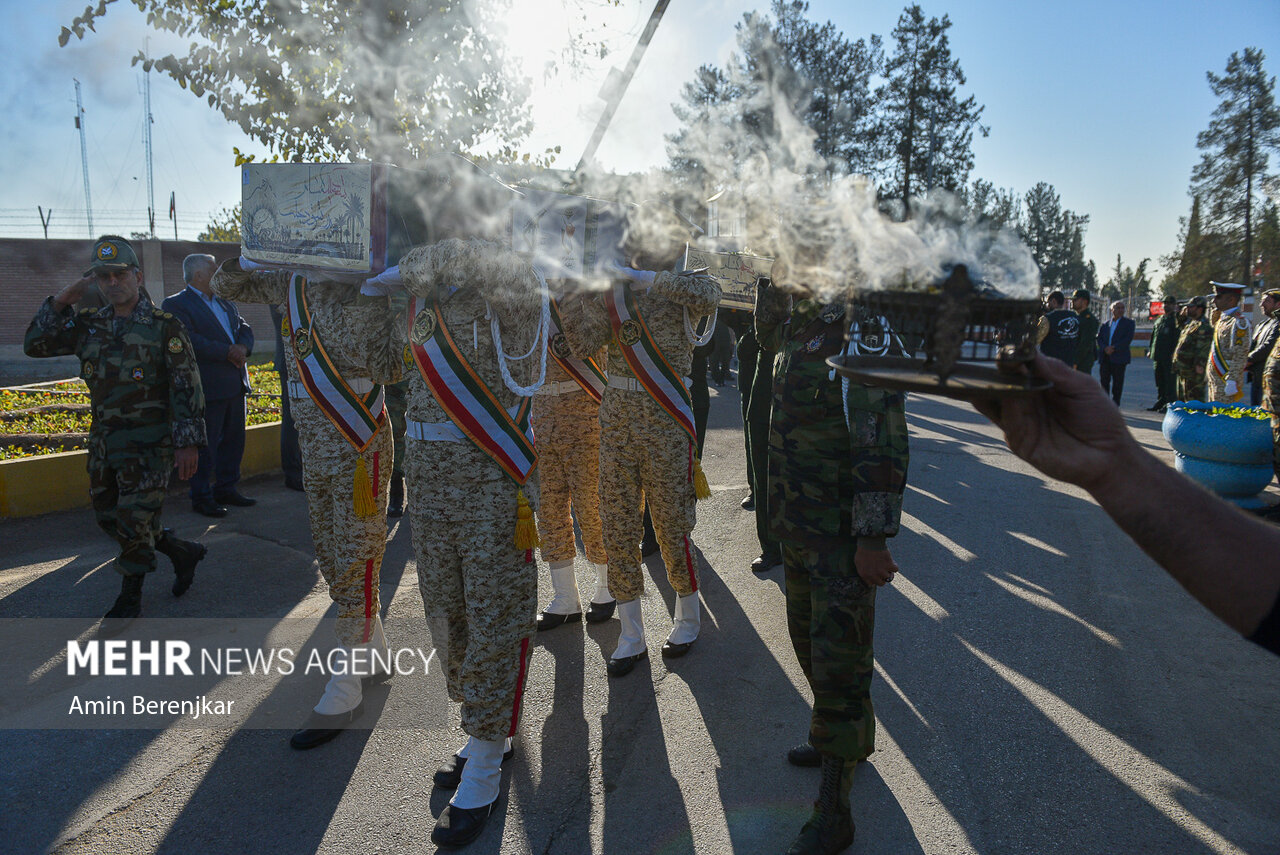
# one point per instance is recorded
(1103, 100)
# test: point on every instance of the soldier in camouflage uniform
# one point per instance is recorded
(346, 487)
(1164, 338)
(478, 587)
(1229, 349)
(1271, 402)
(645, 455)
(148, 413)
(1191, 354)
(566, 421)
(837, 469)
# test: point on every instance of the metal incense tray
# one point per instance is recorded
(975, 343)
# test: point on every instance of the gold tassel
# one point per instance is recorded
(526, 527)
(701, 488)
(362, 492)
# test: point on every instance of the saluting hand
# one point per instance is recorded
(73, 293)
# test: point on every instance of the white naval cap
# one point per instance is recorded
(1227, 286)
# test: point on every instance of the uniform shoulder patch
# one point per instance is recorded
(175, 345)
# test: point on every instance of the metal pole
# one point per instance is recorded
(84, 158)
(616, 87)
(147, 122)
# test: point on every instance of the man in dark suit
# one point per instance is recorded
(223, 342)
(1114, 339)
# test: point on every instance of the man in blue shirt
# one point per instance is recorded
(223, 342)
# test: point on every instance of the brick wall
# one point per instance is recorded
(32, 269)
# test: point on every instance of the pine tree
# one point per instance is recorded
(926, 128)
(1235, 148)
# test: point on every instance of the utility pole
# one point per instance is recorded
(44, 221)
(615, 85)
(84, 158)
(147, 122)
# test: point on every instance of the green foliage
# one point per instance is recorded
(925, 127)
(1234, 154)
(1127, 284)
(1055, 236)
(391, 80)
(225, 226)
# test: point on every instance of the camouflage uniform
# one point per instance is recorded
(1164, 338)
(644, 455)
(834, 485)
(349, 547)
(1190, 357)
(567, 426)
(1271, 402)
(147, 400)
(479, 591)
(1233, 334)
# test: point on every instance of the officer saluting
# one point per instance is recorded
(148, 411)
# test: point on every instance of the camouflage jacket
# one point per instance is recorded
(144, 385)
(1271, 386)
(1164, 337)
(832, 477)
(1192, 352)
(587, 328)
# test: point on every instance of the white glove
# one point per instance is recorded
(249, 266)
(386, 282)
(1232, 389)
(644, 277)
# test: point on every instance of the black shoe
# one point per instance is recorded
(459, 826)
(621, 667)
(547, 620)
(804, 755)
(235, 499)
(294, 484)
(749, 503)
(600, 612)
(209, 508)
(127, 606)
(766, 562)
(448, 776)
(320, 729)
(185, 555)
(395, 506)
(673, 650)
(824, 834)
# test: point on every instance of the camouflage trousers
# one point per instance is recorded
(567, 428)
(479, 591)
(1191, 389)
(644, 455)
(348, 547)
(127, 497)
(831, 618)
(397, 395)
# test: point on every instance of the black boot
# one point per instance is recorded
(395, 507)
(127, 606)
(830, 828)
(185, 555)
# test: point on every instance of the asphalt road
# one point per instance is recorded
(1041, 687)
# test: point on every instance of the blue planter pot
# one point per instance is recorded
(1235, 481)
(1195, 432)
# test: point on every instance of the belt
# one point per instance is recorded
(561, 387)
(631, 384)
(360, 385)
(440, 431)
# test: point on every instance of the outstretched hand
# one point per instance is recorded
(1072, 432)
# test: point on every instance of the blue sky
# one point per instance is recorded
(1102, 100)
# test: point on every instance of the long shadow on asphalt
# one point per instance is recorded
(1005, 650)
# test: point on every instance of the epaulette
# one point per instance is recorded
(88, 311)
(161, 313)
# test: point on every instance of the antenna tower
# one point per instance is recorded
(84, 158)
(147, 122)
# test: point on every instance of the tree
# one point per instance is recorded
(927, 128)
(225, 226)
(793, 92)
(1128, 284)
(1055, 237)
(996, 205)
(1202, 258)
(388, 80)
(1235, 148)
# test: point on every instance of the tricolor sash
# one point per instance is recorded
(469, 403)
(646, 361)
(1217, 362)
(356, 418)
(585, 372)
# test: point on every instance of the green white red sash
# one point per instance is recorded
(469, 403)
(585, 372)
(357, 418)
(646, 361)
(1217, 362)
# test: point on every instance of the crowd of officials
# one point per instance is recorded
(618, 370)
